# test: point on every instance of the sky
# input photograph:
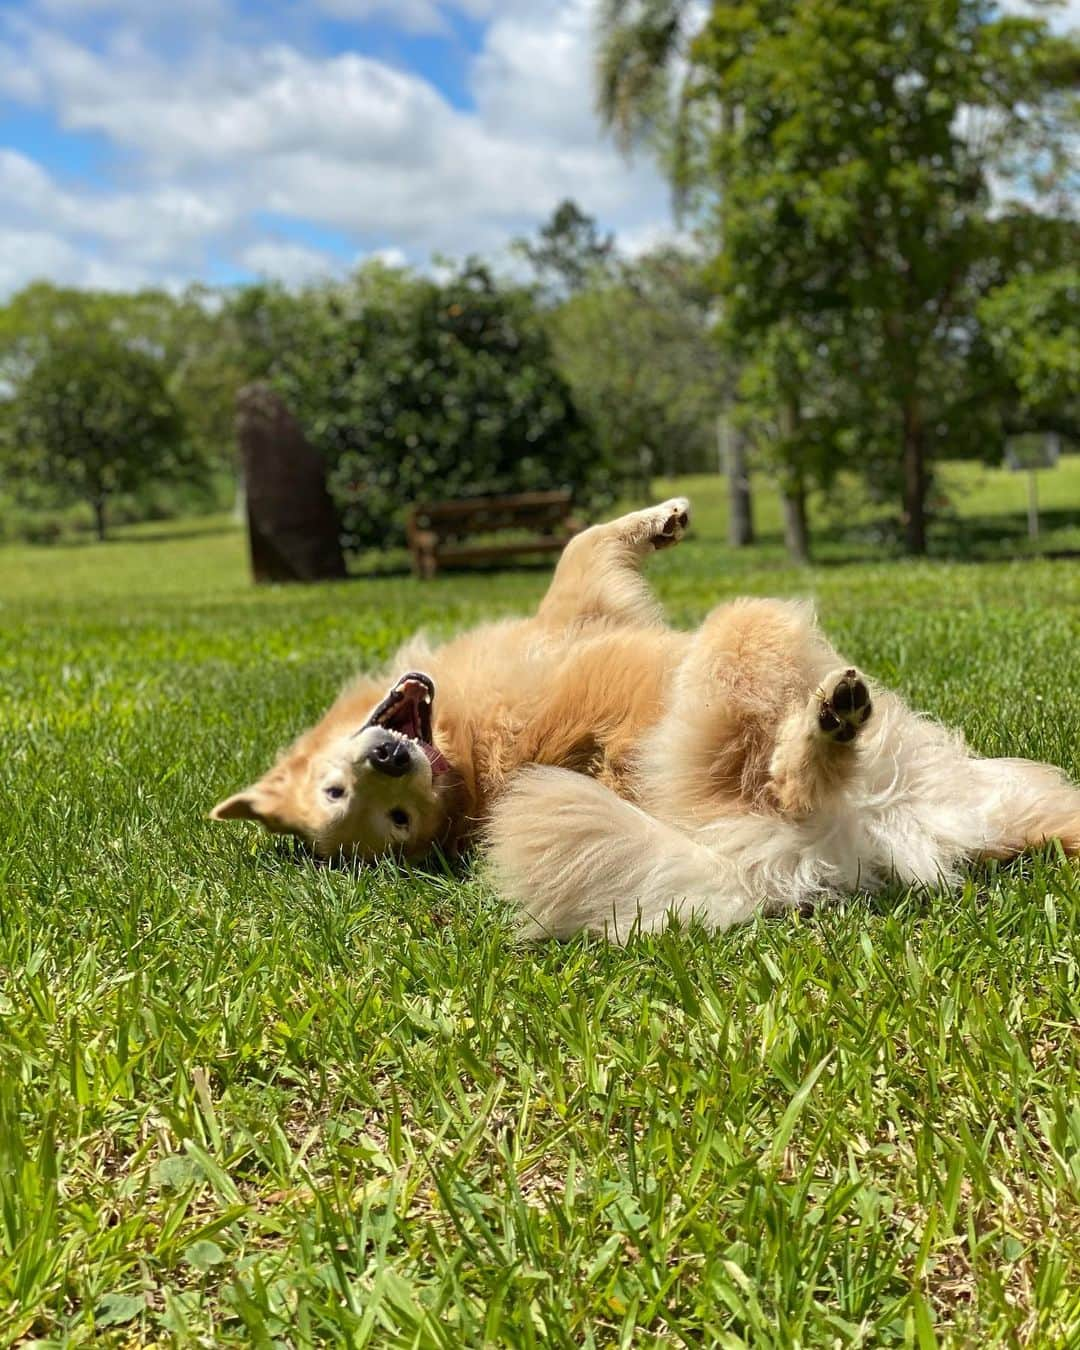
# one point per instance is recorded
(160, 142)
(147, 142)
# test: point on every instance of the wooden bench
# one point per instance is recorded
(439, 532)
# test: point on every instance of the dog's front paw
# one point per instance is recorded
(668, 522)
(845, 705)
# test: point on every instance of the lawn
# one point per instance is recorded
(244, 1099)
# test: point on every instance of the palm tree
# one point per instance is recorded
(640, 45)
(643, 49)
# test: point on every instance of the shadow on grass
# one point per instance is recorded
(372, 568)
(286, 851)
(983, 538)
(990, 538)
(142, 534)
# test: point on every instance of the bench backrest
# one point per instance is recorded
(485, 515)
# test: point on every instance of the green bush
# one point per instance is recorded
(414, 389)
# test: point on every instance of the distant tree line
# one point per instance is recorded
(881, 272)
(411, 387)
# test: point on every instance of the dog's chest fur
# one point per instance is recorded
(581, 702)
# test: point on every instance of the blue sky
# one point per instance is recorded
(143, 142)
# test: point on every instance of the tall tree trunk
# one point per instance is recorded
(796, 529)
(732, 447)
(730, 440)
(99, 517)
(915, 480)
(645, 472)
(793, 491)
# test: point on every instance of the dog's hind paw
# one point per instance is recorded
(668, 522)
(845, 705)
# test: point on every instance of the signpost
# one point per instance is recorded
(1028, 453)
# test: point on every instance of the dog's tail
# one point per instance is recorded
(572, 856)
(1025, 806)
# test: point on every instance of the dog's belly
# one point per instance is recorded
(581, 702)
(593, 701)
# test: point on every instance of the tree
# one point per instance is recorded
(638, 353)
(190, 334)
(771, 410)
(204, 363)
(568, 253)
(849, 150)
(1032, 325)
(415, 389)
(642, 44)
(93, 418)
(856, 185)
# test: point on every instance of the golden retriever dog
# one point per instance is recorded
(622, 772)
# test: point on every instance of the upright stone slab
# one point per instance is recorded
(291, 520)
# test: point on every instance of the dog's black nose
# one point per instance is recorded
(390, 756)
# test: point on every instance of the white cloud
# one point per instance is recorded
(233, 104)
(29, 254)
(413, 16)
(238, 129)
(533, 78)
(147, 15)
(1060, 14)
(208, 136)
(158, 225)
(294, 264)
(653, 235)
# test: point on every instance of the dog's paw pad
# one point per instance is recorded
(672, 519)
(845, 705)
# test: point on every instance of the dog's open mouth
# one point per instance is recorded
(407, 710)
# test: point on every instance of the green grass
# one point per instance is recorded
(244, 1099)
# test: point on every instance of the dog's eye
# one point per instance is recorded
(335, 793)
(399, 818)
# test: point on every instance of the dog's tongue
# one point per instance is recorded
(438, 761)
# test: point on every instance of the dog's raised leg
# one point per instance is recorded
(598, 576)
(814, 745)
(751, 722)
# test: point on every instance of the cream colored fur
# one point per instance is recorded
(623, 772)
(573, 856)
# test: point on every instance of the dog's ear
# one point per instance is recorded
(240, 806)
(264, 802)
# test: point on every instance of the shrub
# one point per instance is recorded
(414, 389)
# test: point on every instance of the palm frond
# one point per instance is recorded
(639, 45)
